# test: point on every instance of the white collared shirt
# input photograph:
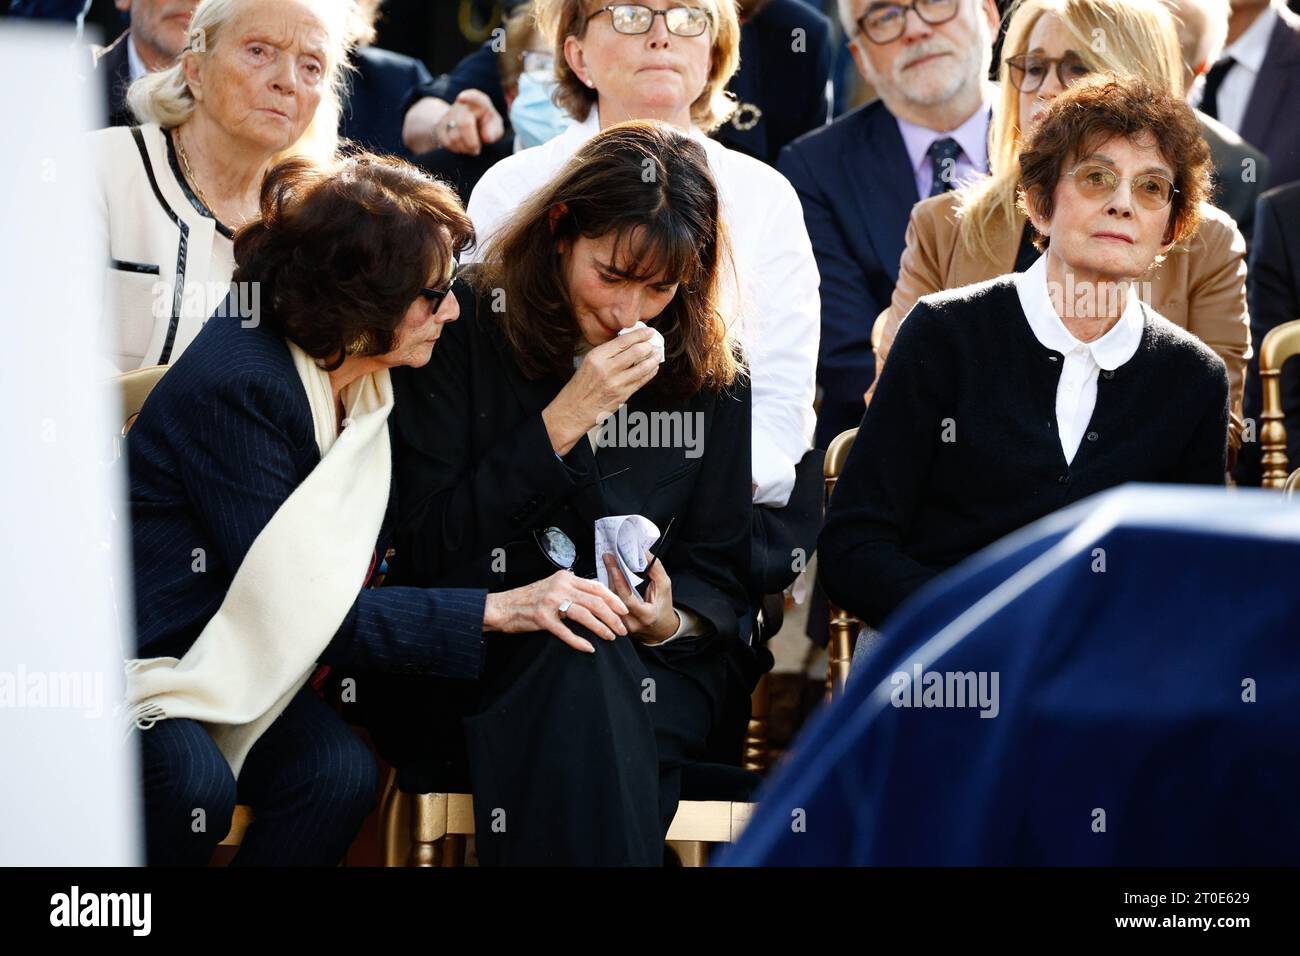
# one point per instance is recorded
(973, 138)
(134, 63)
(1076, 391)
(1249, 51)
(775, 311)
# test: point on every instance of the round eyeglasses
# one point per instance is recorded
(1094, 181)
(635, 18)
(886, 22)
(1028, 71)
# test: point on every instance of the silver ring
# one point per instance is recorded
(451, 124)
(564, 606)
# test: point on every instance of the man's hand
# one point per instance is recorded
(463, 126)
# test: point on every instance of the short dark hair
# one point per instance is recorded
(342, 249)
(649, 186)
(1100, 107)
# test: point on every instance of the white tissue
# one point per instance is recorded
(656, 338)
(628, 538)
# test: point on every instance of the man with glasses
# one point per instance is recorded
(858, 178)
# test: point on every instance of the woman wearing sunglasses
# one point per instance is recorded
(261, 511)
(980, 232)
(590, 377)
(1006, 400)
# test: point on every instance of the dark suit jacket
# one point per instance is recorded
(476, 472)
(1273, 287)
(225, 437)
(114, 69)
(788, 84)
(382, 89)
(1270, 121)
(857, 188)
(1233, 193)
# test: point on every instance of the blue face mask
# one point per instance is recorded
(532, 114)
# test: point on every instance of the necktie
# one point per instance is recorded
(1214, 80)
(943, 155)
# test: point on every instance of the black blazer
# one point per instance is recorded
(379, 94)
(225, 437)
(857, 188)
(1273, 285)
(476, 473)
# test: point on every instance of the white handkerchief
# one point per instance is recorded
(628, 538)
(656, 339)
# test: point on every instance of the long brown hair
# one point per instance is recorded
(650, 187)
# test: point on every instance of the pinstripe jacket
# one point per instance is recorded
(223, 440)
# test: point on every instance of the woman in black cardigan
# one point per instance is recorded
(1006, 400)
(506, 459)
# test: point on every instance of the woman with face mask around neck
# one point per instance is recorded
(591, 326)
(1006, 400)
(979, 232)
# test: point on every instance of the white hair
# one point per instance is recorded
(1209, 29)
(164, 97)
(846, 17)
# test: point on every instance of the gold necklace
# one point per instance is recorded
(189, 173)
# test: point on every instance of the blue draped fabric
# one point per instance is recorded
(1146, 649)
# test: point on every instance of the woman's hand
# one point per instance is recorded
(607, 378)
(536, 607)
(653, 619)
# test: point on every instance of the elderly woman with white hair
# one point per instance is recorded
(259, 82)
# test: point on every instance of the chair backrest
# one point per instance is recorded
(836, 455)
(842, 627)
(133, 388)
(1282, 343)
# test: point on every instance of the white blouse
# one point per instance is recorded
(1076, 391)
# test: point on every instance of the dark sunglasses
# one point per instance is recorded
(435, 296)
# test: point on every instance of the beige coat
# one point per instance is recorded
(1201, 287)
(168, 265)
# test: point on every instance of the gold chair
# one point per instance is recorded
(1282, 343)
(438, 823)
(132, 389)
(843, 627)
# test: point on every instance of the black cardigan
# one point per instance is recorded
(477, 476)
(959, 446)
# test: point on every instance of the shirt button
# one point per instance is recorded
(1052, 358)
(1092, 436)
(1062, 479)
(1107, 373)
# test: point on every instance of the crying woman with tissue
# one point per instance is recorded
(600, 299)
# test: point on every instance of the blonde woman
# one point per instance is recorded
(978, 233)
(259, 82)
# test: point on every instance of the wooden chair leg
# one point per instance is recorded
(758, 750)
(692, 853)
(843, 632)
(453, 850)
(394, 807)
(428, 828)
